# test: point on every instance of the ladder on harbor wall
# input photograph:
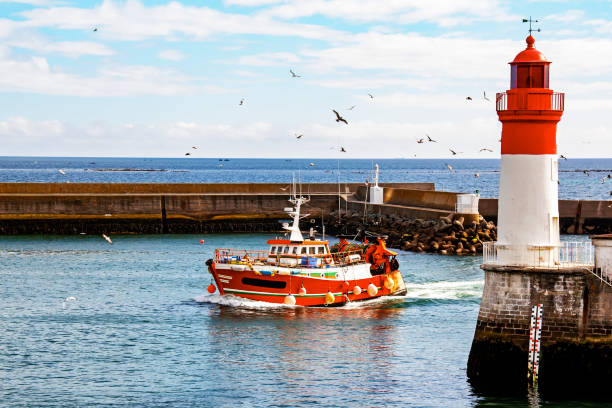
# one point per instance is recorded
(535, 331)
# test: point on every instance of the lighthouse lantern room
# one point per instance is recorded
(528, 213)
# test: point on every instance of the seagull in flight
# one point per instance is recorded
(562, 157)
(429, 139)
(187, 154)
(312, 164)
(484, 95)
(338, 117)
(371, 96)
(420, 140)
(62, 172)
(241, 102)
(450, 168)
(284, 188)
(107, 239)
(469, 98)
(342, 149)
(586, 172)
(95, 29)
(484, 149)
(294, 75)
(298, 136)
(352, 107)
(453, 152)
(476, 175)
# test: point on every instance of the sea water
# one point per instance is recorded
(85, 323)
(574, 183)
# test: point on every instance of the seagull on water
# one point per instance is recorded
(62, 172)
(338, 117)
(450, 168)
(107, 238)
(312, 164)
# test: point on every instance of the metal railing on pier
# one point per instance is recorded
(567, 254)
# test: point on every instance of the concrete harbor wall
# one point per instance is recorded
(576, 351)
(69, 208)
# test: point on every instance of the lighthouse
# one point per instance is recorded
(540, 295)
(528, 210)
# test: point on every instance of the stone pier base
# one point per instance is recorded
(576, 353)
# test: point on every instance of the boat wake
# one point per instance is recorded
(446, 290)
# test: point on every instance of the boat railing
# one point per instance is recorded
(245, 256)
(240, 256)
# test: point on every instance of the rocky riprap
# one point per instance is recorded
(448, 235)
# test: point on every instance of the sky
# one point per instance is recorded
(130, 78)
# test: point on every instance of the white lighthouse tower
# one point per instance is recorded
(528, 209)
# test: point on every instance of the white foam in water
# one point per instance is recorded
(445, 290)
(235, 301)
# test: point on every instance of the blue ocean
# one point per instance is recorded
(575, 183)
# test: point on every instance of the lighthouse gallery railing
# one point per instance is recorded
(568, 254)
(531, 100)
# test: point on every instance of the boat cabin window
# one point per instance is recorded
(294, 252)
(304, 250)
(286, 250)
(272, 250)
(321, 250)
(311, 250)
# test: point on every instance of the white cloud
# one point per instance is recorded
(133, 21)
(440, 12)
(172, 55)
(568, 16)
(35, 75)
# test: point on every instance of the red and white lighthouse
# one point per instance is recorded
(528, 209)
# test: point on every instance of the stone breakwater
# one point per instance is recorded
(449, 235)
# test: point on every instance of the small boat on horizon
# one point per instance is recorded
(296, 271)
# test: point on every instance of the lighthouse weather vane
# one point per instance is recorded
(531, 21)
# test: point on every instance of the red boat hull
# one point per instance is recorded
(274, 289)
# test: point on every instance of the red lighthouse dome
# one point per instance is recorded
(529, 68)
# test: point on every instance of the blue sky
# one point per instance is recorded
(158, 77)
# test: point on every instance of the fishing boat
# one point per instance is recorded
(295, 271)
